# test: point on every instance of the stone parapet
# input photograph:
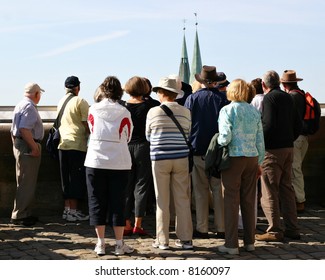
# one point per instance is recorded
(49, 195)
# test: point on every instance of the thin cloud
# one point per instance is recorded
(83, 43)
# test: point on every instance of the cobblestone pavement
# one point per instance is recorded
(55, 239)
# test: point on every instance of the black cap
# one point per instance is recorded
(72, 82)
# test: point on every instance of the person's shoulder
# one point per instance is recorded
(81, 100)
(151, 101)
(198, 95)
(154, 110)
(297, 94)
(179, 107)
(122, 102)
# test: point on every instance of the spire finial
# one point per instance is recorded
(184, 22)
(196, 23)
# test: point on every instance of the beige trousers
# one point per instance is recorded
(171, 176)
(26, 176)
(202, 186)
(299, 151)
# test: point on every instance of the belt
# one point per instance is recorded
(36, 140)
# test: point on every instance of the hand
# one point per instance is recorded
(35, 152)
(259, 172)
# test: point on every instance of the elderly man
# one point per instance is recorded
(27, 132)
(205, 105)
(290, 85)
(281, 126)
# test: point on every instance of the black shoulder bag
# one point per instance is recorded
(170, 114)
(54, 137)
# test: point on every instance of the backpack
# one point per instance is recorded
(312, 113)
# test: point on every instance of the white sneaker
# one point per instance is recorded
(123, 249)
(77, 216)
(230, 251)
(155, 244)
(100, 249)
(64, 214)
(184, 244)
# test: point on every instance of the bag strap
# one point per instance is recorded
(57, 122)
(170, 114)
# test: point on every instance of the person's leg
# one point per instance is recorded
(97, 203)
(248, 198)
(218, 204)
(161, 170)
(287, 196)
(231, 181)
(117, 182)
(299, 152)
(129, 193)
(64, 172)
(100, 232)
(270, 180)
(182, 199)
(77, 177)
(201, 190)
(142, 182)
(26, 176)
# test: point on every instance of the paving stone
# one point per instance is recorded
(54, 239)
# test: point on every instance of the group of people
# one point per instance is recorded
(121, 152)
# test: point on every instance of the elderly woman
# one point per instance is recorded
(141, 176)
(240, 128)
(170, 168)
(108, 163)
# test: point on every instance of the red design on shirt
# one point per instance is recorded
(91, 121)
(125, 122)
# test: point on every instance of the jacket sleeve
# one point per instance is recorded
(268, 118)
(225, 128)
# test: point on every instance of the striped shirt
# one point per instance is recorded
(166, 141)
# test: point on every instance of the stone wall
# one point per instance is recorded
(49, 196)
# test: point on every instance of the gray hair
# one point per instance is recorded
(271, 79)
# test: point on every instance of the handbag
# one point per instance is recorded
(216, 158)
(170, 114)
(54, 137)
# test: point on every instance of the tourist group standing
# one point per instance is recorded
(121, 152)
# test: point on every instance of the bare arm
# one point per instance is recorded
(86, 127)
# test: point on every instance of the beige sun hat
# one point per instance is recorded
(170, 84)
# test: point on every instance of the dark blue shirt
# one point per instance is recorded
(205, 105)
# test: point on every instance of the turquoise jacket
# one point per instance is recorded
(240, 127)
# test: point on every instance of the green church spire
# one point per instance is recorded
(184, 68)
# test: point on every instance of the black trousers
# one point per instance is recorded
(140, 180)
(73, 179)
(106, 196)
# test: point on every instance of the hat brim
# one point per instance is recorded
(202, 81)
(223, 83)
(296, 80)
(198, 78)
(155, 89)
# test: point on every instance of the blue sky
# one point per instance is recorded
(45, 41)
